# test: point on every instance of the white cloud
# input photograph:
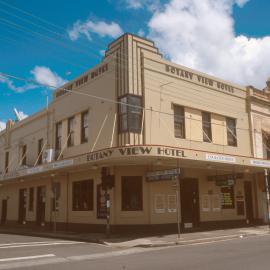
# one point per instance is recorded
(2, 125)
(201, 35)
(141, 33)
(19, 89)
(45, 75)
(88, 27)
(22, 115)
(151, 5)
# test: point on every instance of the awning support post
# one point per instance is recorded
(267, 196)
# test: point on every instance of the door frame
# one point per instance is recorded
(196, 214)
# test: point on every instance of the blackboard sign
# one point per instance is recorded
(101, 203)
(227, 197)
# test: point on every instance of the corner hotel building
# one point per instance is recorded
(215, 131)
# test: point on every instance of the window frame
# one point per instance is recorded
(84, 129)
(230, 131)
(71, 131)
(58, 135)
(6, 161)
(133, 116)
(126, 204)
(23, 156)
(40, 150)
(207, 127)
(79, 189)
(179, 120)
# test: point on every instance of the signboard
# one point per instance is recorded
(220, 158)
(101, 203)
(225, 178)
(222, 183)
(227, 197)
(261, 163)
(162, 175)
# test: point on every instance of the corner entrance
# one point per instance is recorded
(4, 212)
(248, 201)
(22, 206)
(41, 205)
(190, 207)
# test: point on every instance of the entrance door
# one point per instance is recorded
(22, 206)
(248, 201)
(4, 212)
(41, 205)
(190, 207)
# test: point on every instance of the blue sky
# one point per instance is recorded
(30, 48)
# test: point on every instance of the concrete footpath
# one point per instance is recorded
(135, 240)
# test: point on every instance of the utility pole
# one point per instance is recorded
(267, 196)
(178, 198)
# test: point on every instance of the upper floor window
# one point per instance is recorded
(71, 131)
(130, 115)
(6, 162)
(179, 121)
(206, 126)
(231, 131)
(40, 151)
(84, 127)
(23, 157)
(266, 143)
(58, 136)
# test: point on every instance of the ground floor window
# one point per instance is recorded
(82, 195)
(227, 197)
(132, 193)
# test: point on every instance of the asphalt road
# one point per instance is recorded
(24, 252)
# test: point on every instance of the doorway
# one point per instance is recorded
(4, 212)
(22, 206)
(190, 204)
(41, 205)
(248, 201)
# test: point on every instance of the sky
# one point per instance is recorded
(51, 42)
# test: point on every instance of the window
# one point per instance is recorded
(58, 136)
(231, 131)
(266, 143)
(40, 151)
(179, 121)
(132, 193)
(31, 199)
(6, 161)
(130, 117)
(206, 126)
(71, 131)
(84, 127)
(82, 195)
(23, 158)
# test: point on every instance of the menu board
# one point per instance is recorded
(227, 197)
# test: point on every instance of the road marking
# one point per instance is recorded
(27, 258)
(26, 243)
(40, 245)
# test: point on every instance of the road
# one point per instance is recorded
(24, 252)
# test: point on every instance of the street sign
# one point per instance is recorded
(162, 175)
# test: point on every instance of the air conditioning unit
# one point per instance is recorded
(48, 156)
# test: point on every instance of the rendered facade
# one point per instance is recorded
(143, 118)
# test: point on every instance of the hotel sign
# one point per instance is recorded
(220, 158)
(199, 79)
(135, 151)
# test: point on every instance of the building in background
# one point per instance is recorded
(143, 119)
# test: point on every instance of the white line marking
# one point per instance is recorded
(41, 245)
(30, 243)
(27, 258)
